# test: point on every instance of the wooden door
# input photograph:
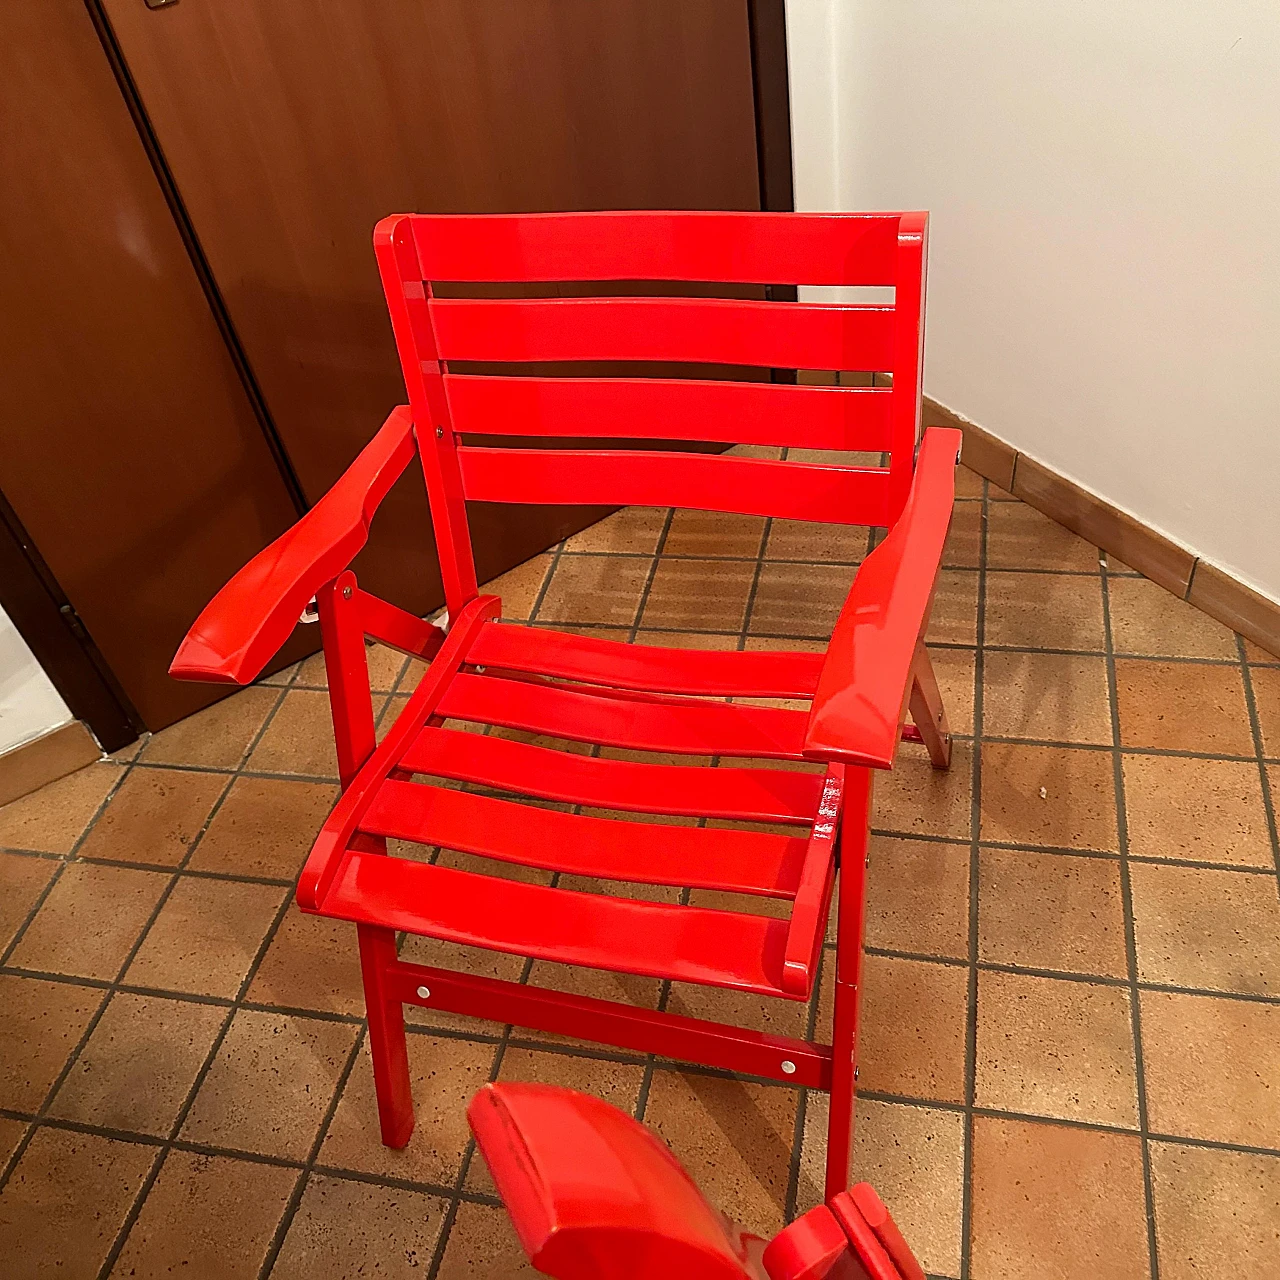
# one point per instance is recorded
(291, 128)
(128, 447)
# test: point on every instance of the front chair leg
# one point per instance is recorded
(387, 1045)
(927, 711)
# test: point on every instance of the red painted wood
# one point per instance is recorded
(752, 795)
(813, 894)
(700, 728)
(244, 625)
(878, 1218)
(763, 248)
(861, 701)
(387, 1045)
(686, 944)
(625, 1026)
(871, 1253)
(613, 849)
(347, 670)
(393, 626)
(908, 353)
(813, 1247)
(704, 482)
(698, 330)
(718, 673)
(673, 409)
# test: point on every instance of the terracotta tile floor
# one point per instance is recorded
(1071, 1056)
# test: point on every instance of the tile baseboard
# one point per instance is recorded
(1211, 589)
(46, 759)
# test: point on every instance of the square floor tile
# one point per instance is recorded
(1200, 810)
(733, 1138)
(313, 962)
(217, 737)
(205, 937)
(963, 549)
(384, 665)
(22, 881)
(207, 1216)
(1056, 697)
(154, 816)
(968, 483)
(1020, 537)
(452, 955)
(41, 1027)
(699, 595)
(265, 827)
(1058, 796)
(1211, 1065)
(954, 617)
(954, 671)
(1266, 697)
(1147, 619)
(633, 531)
(914, 798)
(816, 542)
(90, 921)
(1044, 611)
(53, 818)
(483, 1246)
(65, 1202)
(1051, 911)
(1183, 706)
(1052, 1200)
(799, 599)
(1216, 1211)
(11, 1133)
(1050, 1047)
(444, 1073)
(596, 589)
(299, 739)
(271, 1084)
(918, 897)
(345, 1228)
(520, 587)
(1218, 930)
(713, 533)
(913, 1156)
(139, 1064)
(912, 1026)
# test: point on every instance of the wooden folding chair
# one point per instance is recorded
(584, 689)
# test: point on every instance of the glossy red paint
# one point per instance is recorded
(593, 1195)
(618, 697)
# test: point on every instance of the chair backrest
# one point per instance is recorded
(681, 250)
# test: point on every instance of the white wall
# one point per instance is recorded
(1104, 279)
(29, 704)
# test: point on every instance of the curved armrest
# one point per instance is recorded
(252, 616)
(861, 699)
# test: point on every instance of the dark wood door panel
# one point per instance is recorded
(292, 128)
(128, 447)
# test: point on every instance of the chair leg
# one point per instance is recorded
(387, 1044)
(844, 1063)
(927, 711)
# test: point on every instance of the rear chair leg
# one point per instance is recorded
(927, 711)
(387, 1044)
(844, 1063)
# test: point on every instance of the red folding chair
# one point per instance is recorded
(595, 1196)
(874, 673)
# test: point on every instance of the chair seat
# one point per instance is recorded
(514, 810)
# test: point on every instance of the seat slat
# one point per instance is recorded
(702, 482)
(705, 728)
(698, 330)
(758, 248)
(687, 944)
(855, 418)
(750, 795)
(647, 853)
(723, 673)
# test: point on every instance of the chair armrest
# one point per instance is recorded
(861, 699)
(251, 617)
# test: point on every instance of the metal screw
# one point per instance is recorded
(346, 592)
(788, 1067)
(424, 993)
(439, 433)
(855, 1073)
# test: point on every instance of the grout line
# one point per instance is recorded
(1130, 932)
(1264, 777)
